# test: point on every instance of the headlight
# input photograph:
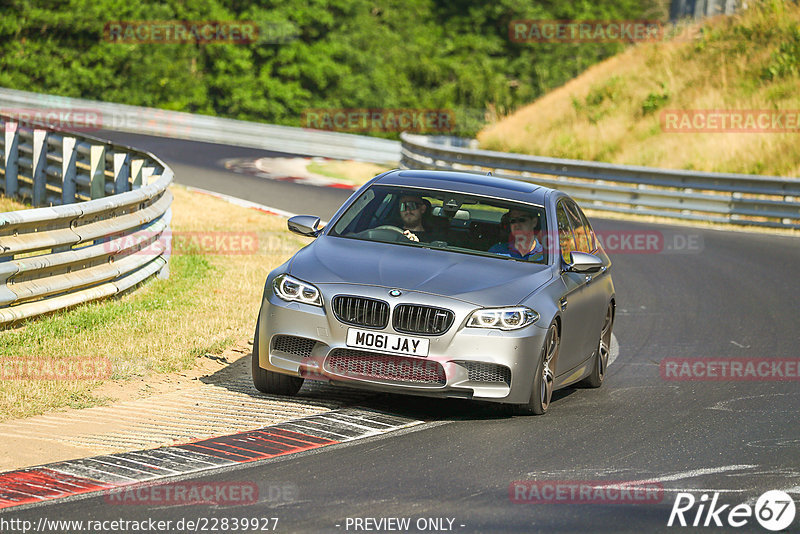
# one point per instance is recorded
(510, 318)
(291, 289)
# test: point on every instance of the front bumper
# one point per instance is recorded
(462, 361)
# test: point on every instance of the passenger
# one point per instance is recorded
(522, 239)
(414, 213)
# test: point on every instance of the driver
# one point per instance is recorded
(522, 236)
(413, 211)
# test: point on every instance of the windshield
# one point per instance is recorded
(446, 220)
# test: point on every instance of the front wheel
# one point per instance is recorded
(544, 377)
(595, 380)
(269, 381)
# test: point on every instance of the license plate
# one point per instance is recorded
(365, 339)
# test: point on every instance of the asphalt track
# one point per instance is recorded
(734, 295)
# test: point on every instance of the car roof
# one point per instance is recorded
(469, 183)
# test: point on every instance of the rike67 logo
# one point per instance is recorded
(774, 510)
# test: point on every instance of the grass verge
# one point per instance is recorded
(209, 301)
(8, 204)
(612, 112)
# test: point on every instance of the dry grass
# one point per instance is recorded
(208, 303)
(7, 204)
(612, 111)
(352, 172)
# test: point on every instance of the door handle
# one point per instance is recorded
(563, 303)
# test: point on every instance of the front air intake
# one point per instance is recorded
(365, 365)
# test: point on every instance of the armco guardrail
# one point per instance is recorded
(150, 121)
(107, 228)
(739, 199)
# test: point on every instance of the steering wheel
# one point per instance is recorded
(386, 232)
(389, 227)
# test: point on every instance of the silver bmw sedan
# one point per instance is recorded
(445, 284)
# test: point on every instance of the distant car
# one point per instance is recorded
(445, 284)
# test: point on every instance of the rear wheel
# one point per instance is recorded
(269, 381)
(544, 377)
(595, 380)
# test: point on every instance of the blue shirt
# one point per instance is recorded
(504, 249)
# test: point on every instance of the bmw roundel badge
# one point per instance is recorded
(395, 293)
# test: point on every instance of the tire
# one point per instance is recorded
(595, 379)
(544, 377)
(269, 381)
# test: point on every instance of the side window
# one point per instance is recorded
(589, 230)
(582, 237)
(348, 222)
(565, 238)
(383, 213)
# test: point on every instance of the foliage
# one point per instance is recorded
(431, 54)
(655, 100)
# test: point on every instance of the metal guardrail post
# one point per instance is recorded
(147, 172)
(39, 166)
(69, 155)
(11, 158)
(136, 173)
(122, 171)
(97, 172)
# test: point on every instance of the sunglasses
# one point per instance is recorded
(409, 205)
(519, 219)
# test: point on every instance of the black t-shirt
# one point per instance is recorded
(428, 236)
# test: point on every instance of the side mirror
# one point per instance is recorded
(305, 225)
(583, 262)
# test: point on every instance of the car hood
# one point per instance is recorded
(479, 280)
